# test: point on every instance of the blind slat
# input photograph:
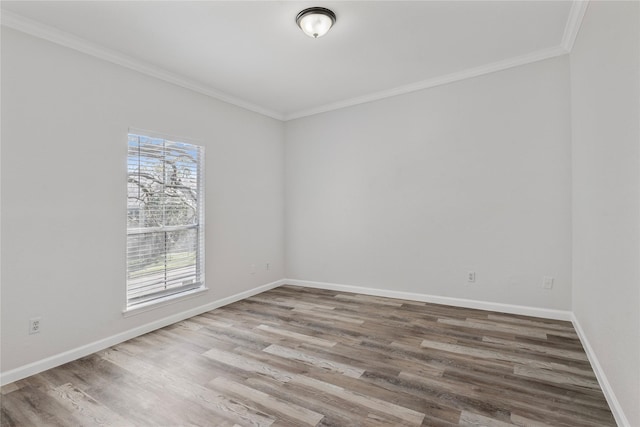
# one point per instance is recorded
(165, 229)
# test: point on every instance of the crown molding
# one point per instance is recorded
(37, 29)
(436, 81)
(574, 21)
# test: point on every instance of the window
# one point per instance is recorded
(165, 219)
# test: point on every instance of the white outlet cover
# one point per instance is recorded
(35, 325)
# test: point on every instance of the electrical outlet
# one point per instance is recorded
(267, 266)
(547, 282)
(471, 277)
(34, 325)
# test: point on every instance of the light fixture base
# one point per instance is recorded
(316, 21)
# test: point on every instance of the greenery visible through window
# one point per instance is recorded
(165, 218)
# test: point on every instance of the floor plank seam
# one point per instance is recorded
(294, 356)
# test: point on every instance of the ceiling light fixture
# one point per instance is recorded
(316, 21)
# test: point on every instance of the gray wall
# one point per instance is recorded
(409, 193)
(605, 88)
(65, 117)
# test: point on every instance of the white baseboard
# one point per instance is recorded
(85, 350)
(612, 400)
(456, 302)
(616, 409)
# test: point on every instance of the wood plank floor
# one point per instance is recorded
(296, 357)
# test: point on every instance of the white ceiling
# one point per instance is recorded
(252, 53)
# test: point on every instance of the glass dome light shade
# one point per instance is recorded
(316, 21)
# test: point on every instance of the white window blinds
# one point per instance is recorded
(165, 218)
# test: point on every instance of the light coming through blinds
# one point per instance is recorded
(165, 218)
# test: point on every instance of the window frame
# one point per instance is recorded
(173, 293)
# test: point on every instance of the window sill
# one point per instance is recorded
(162, 302)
